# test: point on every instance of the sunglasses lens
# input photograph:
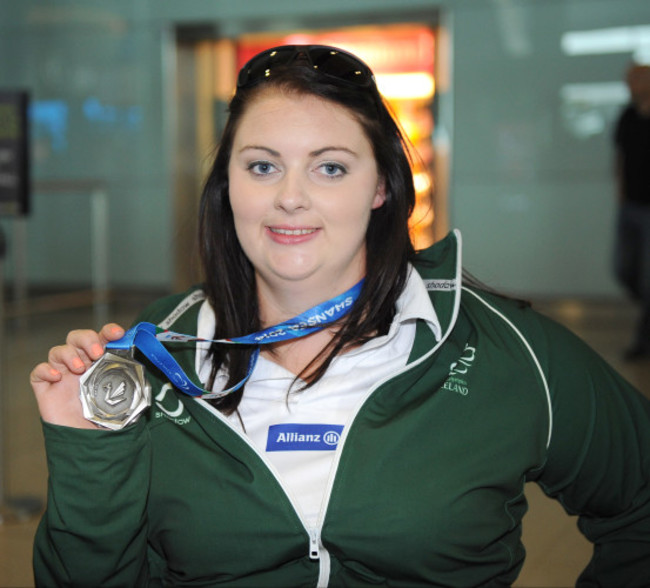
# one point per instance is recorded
(260, 66)
(340, 65)
(326, 60)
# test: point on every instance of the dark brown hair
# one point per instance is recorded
(229, 276)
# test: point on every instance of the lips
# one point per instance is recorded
(291, 235)
(292, 232)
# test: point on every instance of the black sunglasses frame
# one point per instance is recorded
(329, 61)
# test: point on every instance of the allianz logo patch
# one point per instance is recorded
(303, 437)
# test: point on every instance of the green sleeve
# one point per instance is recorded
(94, 530)
(598, 461)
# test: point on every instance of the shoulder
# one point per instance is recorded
(561, 357)
(565, 362)
(567, 372)
(500, 313)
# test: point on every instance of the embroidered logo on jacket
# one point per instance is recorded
(456, 381)
(170, 407)
(303, 437)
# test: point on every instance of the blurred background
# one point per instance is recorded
(109, 116)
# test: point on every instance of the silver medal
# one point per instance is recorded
(114, 390)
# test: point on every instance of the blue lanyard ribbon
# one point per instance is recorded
(149, 340)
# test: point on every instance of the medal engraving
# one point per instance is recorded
(114, 391)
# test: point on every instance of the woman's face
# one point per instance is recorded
(303, 182)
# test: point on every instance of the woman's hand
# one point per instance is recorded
(56, 382)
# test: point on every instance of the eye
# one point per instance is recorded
(261, 168)
(333, 170)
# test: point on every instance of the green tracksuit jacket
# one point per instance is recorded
(428, 487)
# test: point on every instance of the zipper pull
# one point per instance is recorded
(314, 547)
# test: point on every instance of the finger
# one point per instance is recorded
(91, 344)
(68, 358)
(87, 343)
(44, 372)
(111, 332)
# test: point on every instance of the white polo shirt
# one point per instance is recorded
(298, 433)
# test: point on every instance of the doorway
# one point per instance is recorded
(403, 57)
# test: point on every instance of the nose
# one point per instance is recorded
(292, 195)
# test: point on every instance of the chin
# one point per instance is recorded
(294, 270)
(297, 276)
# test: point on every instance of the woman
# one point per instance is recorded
(390, 447)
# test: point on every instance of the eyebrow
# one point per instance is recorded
(332, 148)
(315, 153)
(261, 148)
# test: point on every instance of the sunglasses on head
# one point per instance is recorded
(329, 61)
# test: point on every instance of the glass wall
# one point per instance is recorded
(533, 183)
(95, 79)
(524, 117)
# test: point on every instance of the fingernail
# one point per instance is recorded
(55, 373)
(97, 350)
(77, 363)
(117, 331)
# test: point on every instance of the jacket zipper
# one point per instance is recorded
(317, 551)
(314, 544)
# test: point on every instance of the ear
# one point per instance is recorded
(380, 195)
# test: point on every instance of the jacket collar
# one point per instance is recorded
(440, 267)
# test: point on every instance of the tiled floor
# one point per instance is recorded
(556, 551)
